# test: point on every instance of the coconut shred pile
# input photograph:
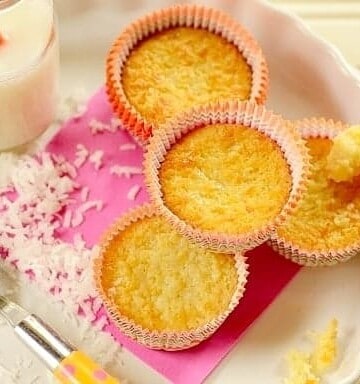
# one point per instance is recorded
(36, 203)
(34, 192)
(39, 199)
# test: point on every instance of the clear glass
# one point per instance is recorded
(28, 93)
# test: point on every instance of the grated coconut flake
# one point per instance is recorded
(35, 194)
(84, 194)
(126, 171)
(127, 147)
(96, 159)
(78, 219)
(81, 155)
(133, 192)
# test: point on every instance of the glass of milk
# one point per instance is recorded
(29, 64)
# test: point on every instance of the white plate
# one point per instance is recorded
(308, 78)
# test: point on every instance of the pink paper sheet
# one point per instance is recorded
(269, 273)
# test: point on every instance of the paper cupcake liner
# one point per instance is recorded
(164, 340)
(228, 112)
(178, 16)
(315, 127)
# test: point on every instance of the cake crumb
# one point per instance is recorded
(343, 161)
(325, 348)
(300, 369)
(308, 368)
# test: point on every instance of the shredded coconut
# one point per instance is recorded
(96, 159)
(73, 106)
(6, 190)
(78, 219)
(71, 170)
(127, 147)
(133, 192)
(126, 171)
(101, 323)
(67, 218)
(116, 124)
(79, 242)
(96, 305)
(96, 204)
(97, 126)
(84, 195)
(42, 189)
(81, 155)
(8, 162)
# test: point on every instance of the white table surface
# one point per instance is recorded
(309, 302)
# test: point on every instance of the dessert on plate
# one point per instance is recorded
(325, 227)
(226, 175)
(162, 290)
(178, 58)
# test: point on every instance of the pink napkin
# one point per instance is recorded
(269, 273)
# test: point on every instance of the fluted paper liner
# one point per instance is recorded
(178, 16)
(165, 340)
(322, 128)
(250, 115)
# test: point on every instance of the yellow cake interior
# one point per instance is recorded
(309, 368)
(328, 217)
(161, 281)
(180, 68)
(325, 349)
(228, 179)
(343, 162)
(300, 369)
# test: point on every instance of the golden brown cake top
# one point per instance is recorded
(180, 68)
(161, 281)
(229, 179)
(328, 216)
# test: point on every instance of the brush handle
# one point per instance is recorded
(78, 368)
(50, 348)
(68, 365)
